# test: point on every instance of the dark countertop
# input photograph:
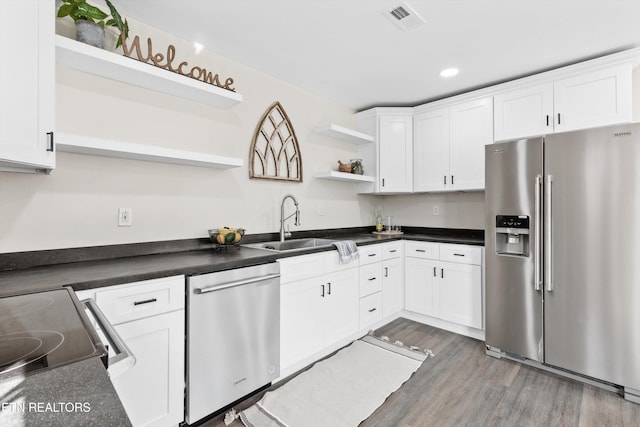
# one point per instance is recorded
(134, 267)
(79, 394)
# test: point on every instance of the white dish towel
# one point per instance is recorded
(347, 251)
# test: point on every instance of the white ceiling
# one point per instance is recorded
(348, 51)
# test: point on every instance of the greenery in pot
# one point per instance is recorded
(81, 10)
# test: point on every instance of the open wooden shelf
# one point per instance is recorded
(100, 62)
(344, 134)
(124, 150)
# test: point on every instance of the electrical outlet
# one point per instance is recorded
(125, 217)
(436, 210)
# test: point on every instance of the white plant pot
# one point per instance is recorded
(90, 33)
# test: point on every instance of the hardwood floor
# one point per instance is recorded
(461, 386)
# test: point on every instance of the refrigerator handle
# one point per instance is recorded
(538, 235)
(548, 263)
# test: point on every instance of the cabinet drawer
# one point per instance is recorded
(422, 250)
(462, 254)
(370, 279)
(142, 299)
(369, 254)
(370, 310)
(392, 250)
(301, 267)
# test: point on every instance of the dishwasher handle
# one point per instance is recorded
(228, 285)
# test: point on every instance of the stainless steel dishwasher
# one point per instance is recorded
(233, 336)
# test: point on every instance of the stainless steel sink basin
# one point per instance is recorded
(291, 245)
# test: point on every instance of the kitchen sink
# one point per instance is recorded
(291, 245)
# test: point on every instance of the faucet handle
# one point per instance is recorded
(287, 233)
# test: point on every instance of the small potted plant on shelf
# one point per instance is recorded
(90, 21)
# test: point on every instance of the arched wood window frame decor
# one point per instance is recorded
(275, 153)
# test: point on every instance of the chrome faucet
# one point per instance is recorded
(283, 234)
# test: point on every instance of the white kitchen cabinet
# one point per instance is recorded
(339, 306)
(593, 99)
(152, 390)
(445, 283)
(421, 290)
(381, 282)
(149, 317)
(392, 286)
(431, 150)
(524, 112)
(27, 85)
(449, 146)
(319, 305)
(390, 158)
(460, 294)
(578, 101)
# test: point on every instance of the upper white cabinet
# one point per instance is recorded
(449, 145)
(577, 101)
(390, 156)
(27, 85)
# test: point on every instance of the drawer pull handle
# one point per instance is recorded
(393, 250)
(458, 255)
(420, 250)
(371, 255)
(371, 310)
(372, 278)
(147, 301)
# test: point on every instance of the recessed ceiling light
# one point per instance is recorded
(449, 72)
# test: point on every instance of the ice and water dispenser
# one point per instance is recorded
(512, 235)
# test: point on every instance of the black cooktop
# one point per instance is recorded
(43, 330)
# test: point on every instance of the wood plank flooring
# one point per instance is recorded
(461, 386)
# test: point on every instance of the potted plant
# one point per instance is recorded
(90, 21)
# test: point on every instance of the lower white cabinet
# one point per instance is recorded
(438, 287)
(151, 391)
(316, 312)
(149, 316)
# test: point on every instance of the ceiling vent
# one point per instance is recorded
(404, 17)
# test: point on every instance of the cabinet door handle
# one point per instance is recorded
(451, 179)
(51, 142)
(322, 291)
(147, 301)
(442, 273)
(547, 120)
(329, 290)
(371, 310)
(558, 118)
(434, 272)
(383, 182)
(371, 279)
(386, 272)
(445, 180)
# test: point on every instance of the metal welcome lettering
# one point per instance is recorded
(166, 62)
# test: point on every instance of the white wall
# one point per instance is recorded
(77, 204)
(456, 210)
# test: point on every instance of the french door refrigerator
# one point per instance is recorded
(562, 238)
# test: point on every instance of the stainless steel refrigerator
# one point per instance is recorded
(562, 237)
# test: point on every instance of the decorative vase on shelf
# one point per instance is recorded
(90, 33)
(356, 166)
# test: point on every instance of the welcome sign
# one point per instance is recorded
(166, 61)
